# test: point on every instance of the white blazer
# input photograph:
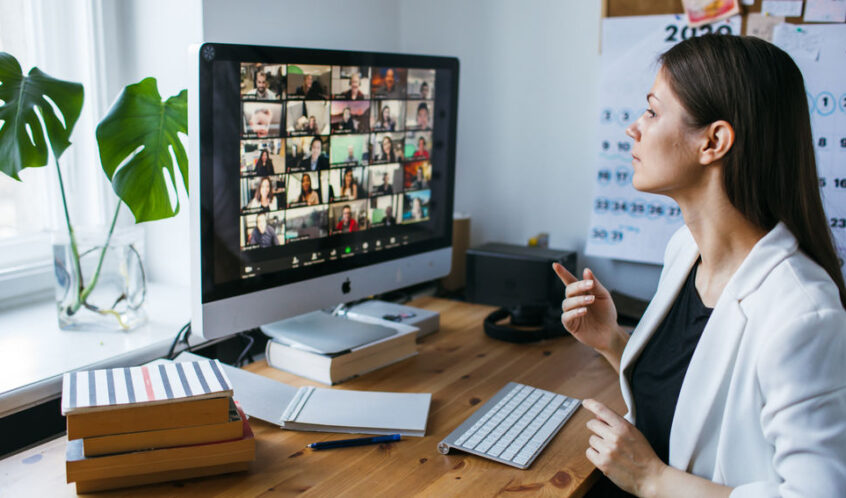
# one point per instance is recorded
(762, 407)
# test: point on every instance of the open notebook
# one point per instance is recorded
(327, 410)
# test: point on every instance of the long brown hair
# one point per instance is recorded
(770, 173)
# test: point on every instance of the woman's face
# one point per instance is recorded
(348, 178)
(346, 214)
(665, 150)
(306, 183)
(421, 144)
(386, 113)
(265, 188)
(264, 156)
(386, 145)
(422, 118)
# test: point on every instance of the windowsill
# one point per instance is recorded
(36, 352)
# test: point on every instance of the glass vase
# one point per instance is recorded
(108, 289)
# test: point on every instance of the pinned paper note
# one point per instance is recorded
(786, 8)
(797, 41)
(701, 12)
(762, 26)
(825, 11)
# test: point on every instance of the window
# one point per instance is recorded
(57, 38)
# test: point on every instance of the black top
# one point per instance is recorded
(658, 373)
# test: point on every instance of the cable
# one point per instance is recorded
(245, 352)
(184, 333)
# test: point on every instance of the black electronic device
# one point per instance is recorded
(521, 281)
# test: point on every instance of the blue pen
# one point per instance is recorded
(325, 445)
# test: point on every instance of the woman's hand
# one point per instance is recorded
(621, 451)
(589, 314)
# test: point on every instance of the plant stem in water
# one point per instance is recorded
(86, 291)
(77, 269)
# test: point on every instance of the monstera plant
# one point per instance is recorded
(137, 140)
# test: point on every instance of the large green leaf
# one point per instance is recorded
(135, 141)
(21, 95)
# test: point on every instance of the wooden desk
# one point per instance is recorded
(460, 366)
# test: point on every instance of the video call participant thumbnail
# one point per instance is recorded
(262, 82)
(418, 145)
(261, 120)
(388, 147)
(262, 193)
(421, 84)
(263, 230)
(348, 217)
(350, 82)
(262, 157)
(385, 179)
(307, 153)
(383, 210)
(417, 175)
(350, 116)
(415, 206)
(307, 117)
(419, 115)
(346, 184)
(388, 82)
(310, 222)
(390, 116)
(303, 189)
(349, 150)
(308, 82)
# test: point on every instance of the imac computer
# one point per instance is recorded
(317, 177)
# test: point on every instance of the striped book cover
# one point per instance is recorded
(97, 390)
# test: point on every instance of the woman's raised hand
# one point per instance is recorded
(588, 311)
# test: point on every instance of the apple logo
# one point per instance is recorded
(345, 287)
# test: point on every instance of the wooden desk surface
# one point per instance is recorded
(460, 366)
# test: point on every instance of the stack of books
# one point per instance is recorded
(335, 368)
(154, 423)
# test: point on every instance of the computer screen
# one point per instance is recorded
(316, 163)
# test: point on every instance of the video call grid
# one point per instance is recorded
(310, 129)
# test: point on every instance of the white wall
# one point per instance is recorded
(527, 100)
(151, 38)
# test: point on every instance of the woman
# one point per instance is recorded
(387, 150)
(307, 194)
(264, 165)
(416, 209)
(735, 378)
(263, 199)
(386, 123)
(349, 187)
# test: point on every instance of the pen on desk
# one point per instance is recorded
(325, 445)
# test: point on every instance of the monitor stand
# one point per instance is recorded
(326, 332)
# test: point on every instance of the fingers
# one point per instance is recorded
(572, 303)
(601, 429)
(588, 275)
(580, 287)
(570, 318)
(565, 276)
(603, 413)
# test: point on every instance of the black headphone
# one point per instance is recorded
(549, 319)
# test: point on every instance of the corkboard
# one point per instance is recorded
(620, 8)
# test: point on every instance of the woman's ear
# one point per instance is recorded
(718, 140)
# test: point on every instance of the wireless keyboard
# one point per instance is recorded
(514, 426)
